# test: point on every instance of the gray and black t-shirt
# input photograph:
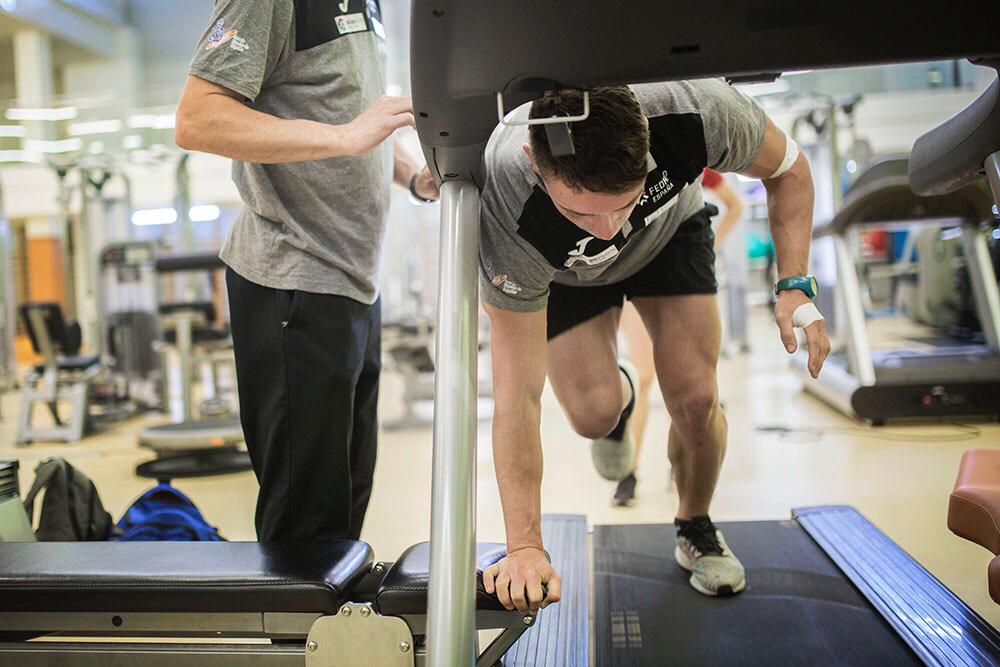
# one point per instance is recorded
(525, 243)
(315, 226)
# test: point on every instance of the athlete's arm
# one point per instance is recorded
(214, 119)
(790, 208)
(518, 345)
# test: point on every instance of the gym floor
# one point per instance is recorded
(898, 476)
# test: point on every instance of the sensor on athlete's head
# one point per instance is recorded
(560, 136)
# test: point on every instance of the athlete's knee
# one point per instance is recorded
(595, 412)
(692, 404)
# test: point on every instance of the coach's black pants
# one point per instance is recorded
(308, 368)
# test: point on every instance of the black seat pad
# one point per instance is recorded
(202, 577)
(404, 588)
(199, 335)
(74, 363)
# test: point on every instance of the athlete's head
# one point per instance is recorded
(598, 186)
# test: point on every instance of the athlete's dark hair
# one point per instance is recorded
(611, 145)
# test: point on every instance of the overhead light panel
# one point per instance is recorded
(204, 213)
(770, 88)
(20, 156)
(154, 216)
(164, 121)
(88, 127)
(45, 114)
(52, 147)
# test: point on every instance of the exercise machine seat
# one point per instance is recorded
(205, 309)
(952, 154)
(73, 363)
(199, 335)
(404, 588)
(974, 509)
(216, 432)
(191, 577)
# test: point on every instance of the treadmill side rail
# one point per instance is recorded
(939, 627)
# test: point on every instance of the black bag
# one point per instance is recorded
(71, 509)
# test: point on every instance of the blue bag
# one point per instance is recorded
(164, 514)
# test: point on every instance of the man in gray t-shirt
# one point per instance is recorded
(617, 213)
(292, 90)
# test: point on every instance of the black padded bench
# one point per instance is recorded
(324, 603)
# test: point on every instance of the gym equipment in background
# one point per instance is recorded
(129, 317)
(210, 444)
(65, 377)
(947, 381)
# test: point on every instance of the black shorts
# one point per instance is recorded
(686, 265)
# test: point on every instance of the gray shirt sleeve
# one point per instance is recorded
(243, 44)
(512, 274)
(734, 126)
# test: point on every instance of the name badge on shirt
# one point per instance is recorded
(348, 23)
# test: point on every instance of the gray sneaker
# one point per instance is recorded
(613, 454)
(702, 551)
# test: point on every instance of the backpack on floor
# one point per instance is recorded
(71, 509)
(164, 514)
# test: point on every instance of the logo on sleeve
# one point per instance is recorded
(220, 36)
(506, 286)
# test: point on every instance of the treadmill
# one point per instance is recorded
(879, 385)
(469, 68)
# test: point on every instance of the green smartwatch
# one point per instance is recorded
(806, 283)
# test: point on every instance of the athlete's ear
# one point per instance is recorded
(531, 156)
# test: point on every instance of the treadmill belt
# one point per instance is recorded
(798, 609)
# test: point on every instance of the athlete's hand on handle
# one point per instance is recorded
(517, 580)
(817, 340)
(375, 124)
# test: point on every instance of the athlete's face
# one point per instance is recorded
(599, 214)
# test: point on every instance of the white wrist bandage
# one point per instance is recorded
(805, 315)
(791, 155)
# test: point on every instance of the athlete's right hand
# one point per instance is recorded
(375, 124)
(517, 580)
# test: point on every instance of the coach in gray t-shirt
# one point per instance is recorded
(292, 90)
(566, 238)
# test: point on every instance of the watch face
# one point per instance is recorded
(813, 286)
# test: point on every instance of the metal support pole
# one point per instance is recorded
(189, 282)
(183, 328)
(984, 283)
(858, 346)
(992, 166)
(452, 606)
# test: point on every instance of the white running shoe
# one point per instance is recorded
(613, 454)
(702, 551)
